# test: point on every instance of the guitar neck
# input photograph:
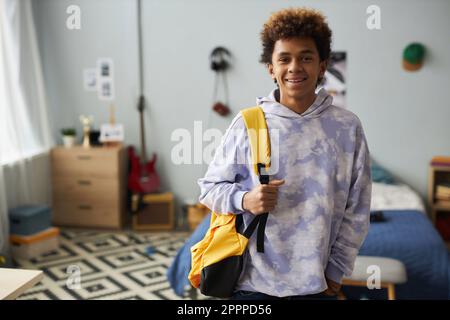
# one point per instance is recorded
(141, 116)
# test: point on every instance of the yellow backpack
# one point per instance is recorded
(217, 260)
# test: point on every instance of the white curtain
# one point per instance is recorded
(4, 225)
(24, 123)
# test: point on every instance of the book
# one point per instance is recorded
(441, 159)
(440, 164)
(443, 203)
(443, 226)
(442, 197)
(442, 189)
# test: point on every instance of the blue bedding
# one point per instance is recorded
(406, 235)
(179, 269)
(409, 237)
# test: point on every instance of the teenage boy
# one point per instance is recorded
(319, 195)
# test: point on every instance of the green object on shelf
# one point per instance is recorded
(69, 132)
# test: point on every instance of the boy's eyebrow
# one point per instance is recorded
(301, 52)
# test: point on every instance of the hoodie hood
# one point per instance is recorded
(270, 105)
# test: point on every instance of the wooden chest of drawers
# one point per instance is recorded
(89, 186)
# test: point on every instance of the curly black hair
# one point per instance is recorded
(296, 22)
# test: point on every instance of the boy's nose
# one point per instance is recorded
(296, 66)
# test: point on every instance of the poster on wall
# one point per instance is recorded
(90, 79)
(106, 89)
(105, 79)
(335, 78)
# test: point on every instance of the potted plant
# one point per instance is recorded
(69, 136)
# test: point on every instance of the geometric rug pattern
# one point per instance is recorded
(99, 265)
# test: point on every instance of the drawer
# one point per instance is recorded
(81, 162)
(87, 214)
(86, 189)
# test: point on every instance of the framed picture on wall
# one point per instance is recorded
(90, 79)
(335, 78)
(106, 89)
(105, 68)
(105, 79)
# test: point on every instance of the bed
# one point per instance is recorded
(409, 236)
(406, 235)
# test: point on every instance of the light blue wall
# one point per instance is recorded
(405, 115)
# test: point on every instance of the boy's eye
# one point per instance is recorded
(304, 59)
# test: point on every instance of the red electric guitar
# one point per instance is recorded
(143, 177)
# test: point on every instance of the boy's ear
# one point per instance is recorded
(270, 69)
(323, 67)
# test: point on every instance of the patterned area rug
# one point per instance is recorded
(111, 265)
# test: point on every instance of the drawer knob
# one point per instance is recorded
(84, 182)
(84, 157)
(84, 207)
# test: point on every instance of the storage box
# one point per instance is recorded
(28, 247)
(195, 214)
(30, 219)
(153, 211)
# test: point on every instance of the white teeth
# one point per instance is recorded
(296, 81)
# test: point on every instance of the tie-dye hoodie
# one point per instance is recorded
(323, 210)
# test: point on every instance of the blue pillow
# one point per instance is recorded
(380, 174)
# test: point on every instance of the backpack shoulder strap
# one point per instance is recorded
(259, 139)
(258, 135)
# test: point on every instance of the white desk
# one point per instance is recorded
(14, 282)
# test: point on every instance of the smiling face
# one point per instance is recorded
(296, 67)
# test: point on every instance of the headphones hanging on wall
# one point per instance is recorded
(219, 59)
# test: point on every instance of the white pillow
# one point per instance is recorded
(395, 197)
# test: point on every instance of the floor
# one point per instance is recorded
(107, 265)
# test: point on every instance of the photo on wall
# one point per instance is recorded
(90, 79)
(105, 67)
(106, 89)
(105, 79)
(335, 78)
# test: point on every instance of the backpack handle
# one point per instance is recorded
(263, 179)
